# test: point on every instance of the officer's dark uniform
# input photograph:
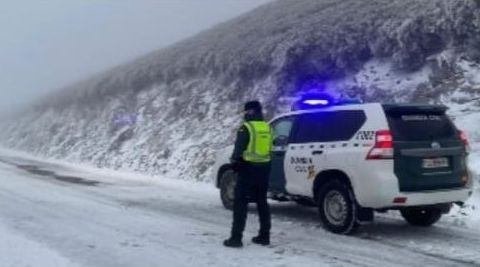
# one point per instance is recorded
(252, 179)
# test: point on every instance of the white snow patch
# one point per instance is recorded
(379, 75)
(18, 251)
(471, 72)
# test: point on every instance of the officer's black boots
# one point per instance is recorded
(263, 240)
(233, 243)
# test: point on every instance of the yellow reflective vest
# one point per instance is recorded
(260, 143)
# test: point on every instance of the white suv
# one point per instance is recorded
(351, 160)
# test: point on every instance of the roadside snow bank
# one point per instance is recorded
(474, 202)
(469, 214)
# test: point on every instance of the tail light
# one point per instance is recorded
(400, 200)
(383, 148)
(464, 138)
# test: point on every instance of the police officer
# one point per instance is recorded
(251, 159)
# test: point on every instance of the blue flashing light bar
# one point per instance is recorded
(315, 101)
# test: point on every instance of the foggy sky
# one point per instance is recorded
(47, 44)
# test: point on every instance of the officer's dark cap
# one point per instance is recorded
(253, 105)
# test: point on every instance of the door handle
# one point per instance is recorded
(317, 152)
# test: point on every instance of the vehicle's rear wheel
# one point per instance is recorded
(421, 216)
(228, 180)
(337, 207)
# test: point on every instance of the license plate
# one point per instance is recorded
(435, 163)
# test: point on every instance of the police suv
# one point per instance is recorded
(350, 160)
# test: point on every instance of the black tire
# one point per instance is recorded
(421, 216)
(228, 180)
(337, 207)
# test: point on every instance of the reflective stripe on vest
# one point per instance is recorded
(260, 144)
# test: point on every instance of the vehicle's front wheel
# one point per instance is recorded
(421, 216)
(228, 180)
(337, 207)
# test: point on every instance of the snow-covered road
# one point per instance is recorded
(54, 214)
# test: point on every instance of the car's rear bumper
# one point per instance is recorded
(407, 199)
(381, 190)
(434, 197)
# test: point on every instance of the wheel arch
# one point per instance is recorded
(329, 175)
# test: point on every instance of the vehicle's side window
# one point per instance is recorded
(328, 126)
(281, 130)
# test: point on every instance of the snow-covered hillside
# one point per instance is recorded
(168, 112)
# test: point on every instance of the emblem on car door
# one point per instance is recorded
(311, 172)
(436, 145)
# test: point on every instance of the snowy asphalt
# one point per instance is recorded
(91, 217)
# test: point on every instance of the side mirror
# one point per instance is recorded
(281, 140)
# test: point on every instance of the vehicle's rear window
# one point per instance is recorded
(420, 126)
